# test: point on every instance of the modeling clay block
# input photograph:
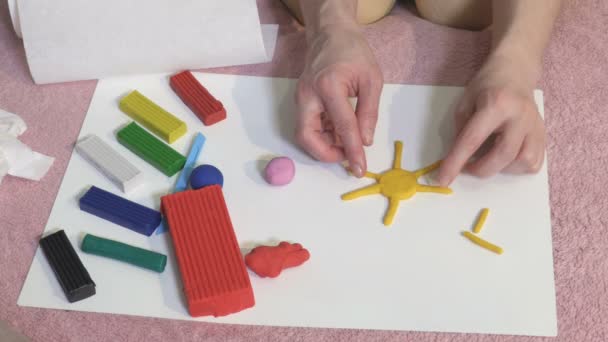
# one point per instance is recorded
(396, 184)
(153, 117)
(195, 96)
(481, 220)
(120, 211)
(269, 261)
(122, 252)
(205, 175)
(69, 270)
(114, 166)
(279, 171)
(184, 176)
(150, 149)
(213, 273)
(482, 243)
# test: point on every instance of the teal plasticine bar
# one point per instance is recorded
(120, 251)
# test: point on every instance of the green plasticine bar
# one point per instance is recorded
(150, 149)
(153, 117)
(120, 251)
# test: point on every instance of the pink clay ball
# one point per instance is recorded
(280, 171)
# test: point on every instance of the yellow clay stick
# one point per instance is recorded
(372, 175)
(481, 220)
(432, 188)
(365, 191)
(398, 153)
(393, 205)
(428, 169)
(482, 243)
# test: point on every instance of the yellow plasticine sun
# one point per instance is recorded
(397, 184)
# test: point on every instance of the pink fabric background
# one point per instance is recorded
(411, 51)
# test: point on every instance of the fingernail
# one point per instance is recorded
(357, 170)
(442, 181)
(369, 137)
(432, 179)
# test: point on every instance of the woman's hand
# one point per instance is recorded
(339, 65)
(497, 111)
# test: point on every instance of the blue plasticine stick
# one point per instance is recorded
(197, 146)
(182, 180)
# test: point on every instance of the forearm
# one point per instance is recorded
(521, 31)
(322, 15)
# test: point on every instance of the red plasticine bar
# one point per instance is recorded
(200, 101)
(215, 279)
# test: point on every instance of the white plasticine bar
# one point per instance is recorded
(118, 169)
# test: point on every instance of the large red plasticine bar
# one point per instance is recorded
(200, 101)
(213, 273)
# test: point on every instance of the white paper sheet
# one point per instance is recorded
(419, 274)
(68, 40)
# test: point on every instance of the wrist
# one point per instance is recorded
(521, 68)
(326, 16)
(521, 58)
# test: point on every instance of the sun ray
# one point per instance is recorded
(372, 175)
(427, 169)
(368, 190)
(398, 153)
(431, 188)
(393, 205)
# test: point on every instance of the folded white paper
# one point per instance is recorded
(12, 7)
(16, 158)
(69, 40)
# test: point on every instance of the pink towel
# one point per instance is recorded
(410, 50)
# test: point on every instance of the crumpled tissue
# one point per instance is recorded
(16, 158)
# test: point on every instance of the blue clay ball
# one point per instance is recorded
(205, 175)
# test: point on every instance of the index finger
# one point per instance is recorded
(474, 133)
(347, 127)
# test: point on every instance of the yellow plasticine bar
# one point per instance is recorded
(153, 117)
(482, 243)
(481, 220)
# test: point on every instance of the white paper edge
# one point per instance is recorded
(270, 33)
(14, 12)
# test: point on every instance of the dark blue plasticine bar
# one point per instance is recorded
(120, 211)
(69, 270)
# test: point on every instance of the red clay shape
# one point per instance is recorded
(269, 261)
(198, 98)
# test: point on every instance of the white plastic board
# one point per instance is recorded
(419, 274)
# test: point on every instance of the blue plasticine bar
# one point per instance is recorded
(120, 211)
(182, 180)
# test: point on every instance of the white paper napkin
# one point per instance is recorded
(16, 158)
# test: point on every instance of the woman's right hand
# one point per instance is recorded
(339, 65)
